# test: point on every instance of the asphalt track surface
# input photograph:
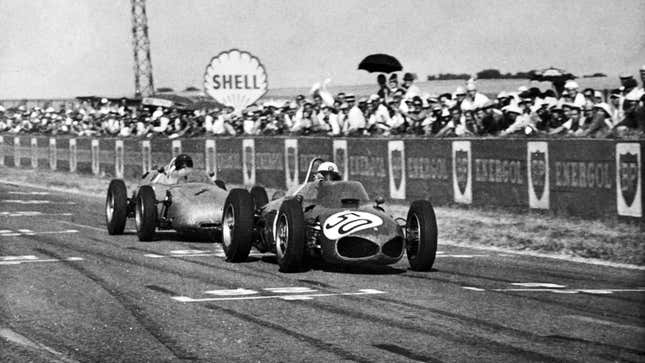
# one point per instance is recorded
(70, 292)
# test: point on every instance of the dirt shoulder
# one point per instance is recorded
(559, 236)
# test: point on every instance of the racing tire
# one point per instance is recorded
(260, 197)
(220, 183)
(116, 207)
(290, 236)
(145, 213)
(421, 236)
(237, 225)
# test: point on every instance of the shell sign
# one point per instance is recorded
(235, 78)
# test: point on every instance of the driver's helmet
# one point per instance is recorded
(183, 161)
(328, 171)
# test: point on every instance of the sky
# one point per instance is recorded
(67, 48)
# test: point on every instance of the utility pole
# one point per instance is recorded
(143, 85)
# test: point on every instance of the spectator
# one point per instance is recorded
(411, 90)
(473, 99)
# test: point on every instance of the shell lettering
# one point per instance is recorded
(235, 78)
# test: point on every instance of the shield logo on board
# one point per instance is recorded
(629, 171)
(248, 162)
(461, 168)
(339, 159)
(538, 173)
(291, 162)
(396, 160)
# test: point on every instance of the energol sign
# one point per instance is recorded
(235, 78)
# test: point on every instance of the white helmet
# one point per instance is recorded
(328, 170)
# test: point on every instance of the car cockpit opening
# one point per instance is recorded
(350, 202)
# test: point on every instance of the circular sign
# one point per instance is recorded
(235, 78)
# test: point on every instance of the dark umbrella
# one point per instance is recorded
(381, 63)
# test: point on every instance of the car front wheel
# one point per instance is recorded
(421, 236)
(290, 236)
(237, 225)
(145, 214)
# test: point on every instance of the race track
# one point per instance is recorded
(71, 293)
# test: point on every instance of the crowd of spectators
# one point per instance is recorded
(396, 108)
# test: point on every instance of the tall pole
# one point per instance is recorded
(143, 85)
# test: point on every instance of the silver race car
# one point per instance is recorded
(175, 197)
(330, 219)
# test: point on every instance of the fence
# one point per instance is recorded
(586, 178)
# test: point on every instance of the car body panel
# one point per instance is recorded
(193, 200)
(346, 218)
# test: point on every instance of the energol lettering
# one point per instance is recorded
(427, 168)
(499, 171)
(580, 174)
(367, 166)
(235, 81)
(269, 161)
(229, 161)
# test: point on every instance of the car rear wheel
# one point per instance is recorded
(421, 236)
(237, 225)
(145, 213)
(290, 236)
(116, 207)
(260, 197)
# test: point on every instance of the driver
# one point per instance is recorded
(180, 166)
(327, 171)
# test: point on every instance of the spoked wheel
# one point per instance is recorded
(145, 213)
(290, 236)
(237, 225)
(116, 207)
(421, 236)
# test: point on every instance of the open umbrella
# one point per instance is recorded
(550, 74)
(381, 63)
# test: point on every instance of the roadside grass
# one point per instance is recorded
(608, 240)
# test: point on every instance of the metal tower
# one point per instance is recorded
(143, 85)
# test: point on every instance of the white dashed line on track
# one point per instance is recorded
(251, 295)
(28, 232)
(34, 201)
(31, 214)
(17, 260)
(29, 193)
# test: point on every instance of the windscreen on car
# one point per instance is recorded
(195, 176)
(332, 193)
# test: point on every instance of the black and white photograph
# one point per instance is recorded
(322, 181)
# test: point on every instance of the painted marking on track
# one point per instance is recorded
(230, 292)
(290, 290)
(17, 260)
(34, 201)
(187, 252)
(31, 214)
(589, 319)
(218, 252)
(28, 232)
(30, 193)
(559, 290)
(186, 299)
(538, 284)
(20, 339)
